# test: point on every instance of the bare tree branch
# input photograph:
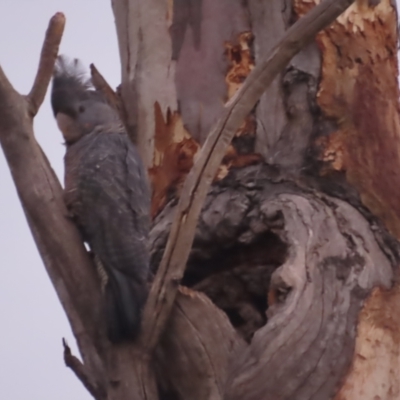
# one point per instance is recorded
(113, 99)
(48, 58)
(197, 183)
(59, 242)
(102, 85)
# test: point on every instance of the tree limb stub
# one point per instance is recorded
(100, 83)
(80, 371)
(196, 185)
(59, 242)
(47, 60)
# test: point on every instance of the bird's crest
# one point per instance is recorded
(71, 84)
(70, 73)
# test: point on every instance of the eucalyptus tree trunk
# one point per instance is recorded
(289, 291)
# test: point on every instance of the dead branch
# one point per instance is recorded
(197, 183)
(40, 193)
(48, 58)
(102, 86)
(112, 97)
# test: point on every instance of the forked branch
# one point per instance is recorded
(197, 183)
(40, 192)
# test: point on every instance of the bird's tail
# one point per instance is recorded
(124, 300)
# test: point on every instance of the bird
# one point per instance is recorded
(107, 195)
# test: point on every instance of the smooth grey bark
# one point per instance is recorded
(269, 20)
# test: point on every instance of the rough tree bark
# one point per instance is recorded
(289, 290)
(306, 239)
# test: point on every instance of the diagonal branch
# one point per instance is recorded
(100, 83)
(197, 183)
(48, 58)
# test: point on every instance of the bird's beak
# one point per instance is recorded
(68, 127)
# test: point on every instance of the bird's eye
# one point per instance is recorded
(81, 109)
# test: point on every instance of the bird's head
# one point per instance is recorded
(77, 107)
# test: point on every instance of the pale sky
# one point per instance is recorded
(31, 318)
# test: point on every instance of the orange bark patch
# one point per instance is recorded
(233, 158)
(174, 151)
(331, 151)
(241, 62)
(359, 90)
(376, 364)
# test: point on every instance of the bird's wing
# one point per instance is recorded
(114, 203)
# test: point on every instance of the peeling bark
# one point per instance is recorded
(376, 362)
(201, 62)
(174, 152)
(292, 252)
(147, 75)
(359, 91)
(290, 289)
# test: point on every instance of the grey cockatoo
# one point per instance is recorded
(107, 194)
